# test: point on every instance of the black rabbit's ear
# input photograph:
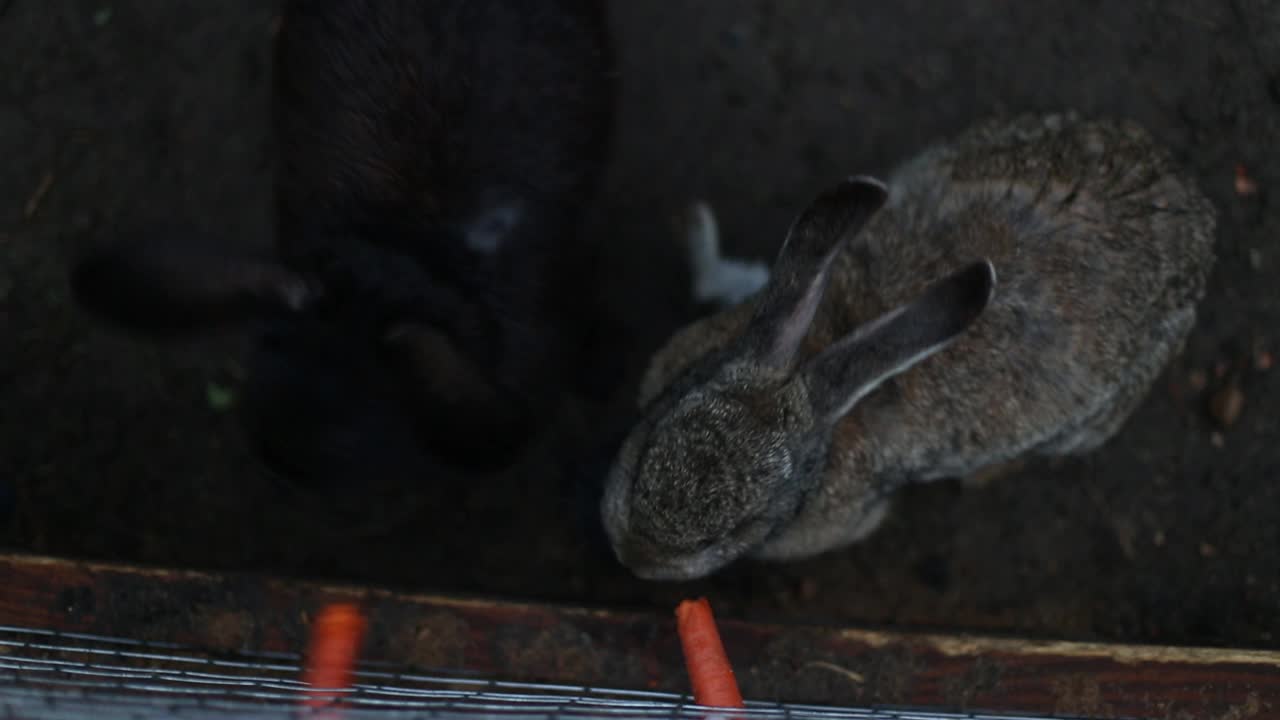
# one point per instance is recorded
(845, 372)
(799, 277)
(488, 424)
(166, 287)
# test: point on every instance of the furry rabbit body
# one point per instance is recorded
(1008, 294)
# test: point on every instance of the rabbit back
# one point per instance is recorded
(425, 110)
(1102, 250)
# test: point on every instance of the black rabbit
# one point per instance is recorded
(424, 299)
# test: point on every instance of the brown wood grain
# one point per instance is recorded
(516, 641)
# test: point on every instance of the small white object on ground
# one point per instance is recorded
(716, 278)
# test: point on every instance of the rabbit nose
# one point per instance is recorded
(656, 567)
(649, 562)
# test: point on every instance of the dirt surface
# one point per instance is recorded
(158, 109)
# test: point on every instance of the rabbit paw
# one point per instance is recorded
(718, 279)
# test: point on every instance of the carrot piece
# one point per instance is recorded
(709, 671)
(336, 635)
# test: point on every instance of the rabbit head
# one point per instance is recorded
(341, 386)
(728, 453)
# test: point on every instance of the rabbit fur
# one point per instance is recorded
(422, 303)
(1011, 293)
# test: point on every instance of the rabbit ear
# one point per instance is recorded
(487, 422)
(165, 287)
(799, 276)
(843, 373)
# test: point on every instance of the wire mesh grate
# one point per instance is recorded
(49, 674)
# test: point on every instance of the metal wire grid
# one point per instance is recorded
(49, 674)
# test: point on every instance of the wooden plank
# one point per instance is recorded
(584, 646)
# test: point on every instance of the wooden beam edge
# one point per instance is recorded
(226, 612)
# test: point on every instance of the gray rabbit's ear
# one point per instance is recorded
(800, 273)
(845, 372)
(166, 287)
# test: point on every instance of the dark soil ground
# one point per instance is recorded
(158, 108)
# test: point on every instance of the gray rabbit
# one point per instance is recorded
(883, 350)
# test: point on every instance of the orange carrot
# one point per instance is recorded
(709, 671)
(336, 635)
